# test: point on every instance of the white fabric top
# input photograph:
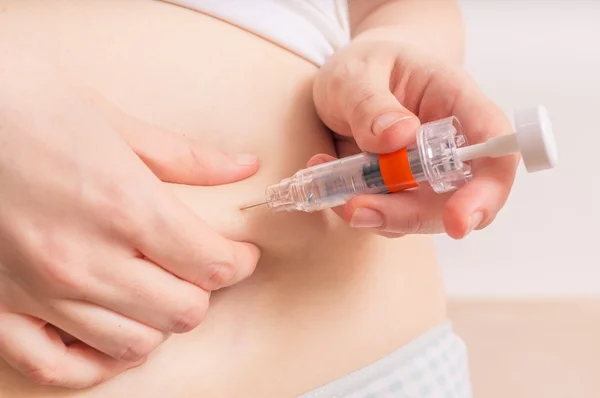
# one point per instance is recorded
(314, 29)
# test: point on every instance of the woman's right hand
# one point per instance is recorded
(91, 242)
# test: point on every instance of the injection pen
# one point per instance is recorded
(440, 159)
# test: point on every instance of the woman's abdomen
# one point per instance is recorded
(324, 299)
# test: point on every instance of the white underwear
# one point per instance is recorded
(434, 365)
(313, 29)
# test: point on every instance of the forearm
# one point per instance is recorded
(434, 26)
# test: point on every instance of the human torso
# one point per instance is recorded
(324, 300)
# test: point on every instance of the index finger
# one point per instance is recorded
(354, 99)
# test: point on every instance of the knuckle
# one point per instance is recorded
(339, 76)
(362, 101)
(190, 315)
(139, 347)
(412, 224)
(347, 71)
(124, 219)
(66, 279)
(119, 206)
(58, 262)
(42, 373)
(219, 274)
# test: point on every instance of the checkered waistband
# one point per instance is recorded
(434, 365)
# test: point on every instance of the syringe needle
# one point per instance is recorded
(254, 205)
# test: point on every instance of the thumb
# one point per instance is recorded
(363, 105)
(378, 121)
(171, 157)
(178, 159)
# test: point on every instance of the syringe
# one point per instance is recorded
(439, 159)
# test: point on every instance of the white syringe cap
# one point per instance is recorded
(536, 139)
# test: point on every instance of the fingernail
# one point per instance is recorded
(387, 120)
(366, 218)
(245, 159)
(474, 221)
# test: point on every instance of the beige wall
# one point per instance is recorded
(546, 241)
(531, 349)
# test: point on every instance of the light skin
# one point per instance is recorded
(160, 156)
(403, 69)
(101, 208)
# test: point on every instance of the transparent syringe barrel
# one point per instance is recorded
(433, 161)
(327, 185)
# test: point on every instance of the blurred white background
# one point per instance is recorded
(545, 242)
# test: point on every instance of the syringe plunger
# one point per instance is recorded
(533, 138)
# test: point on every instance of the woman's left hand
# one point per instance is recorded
(374, 96)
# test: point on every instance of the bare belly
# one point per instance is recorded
(325, 300)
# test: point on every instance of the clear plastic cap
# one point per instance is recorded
(438, 143)
(280, 197)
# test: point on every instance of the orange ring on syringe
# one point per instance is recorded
(396, 171)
